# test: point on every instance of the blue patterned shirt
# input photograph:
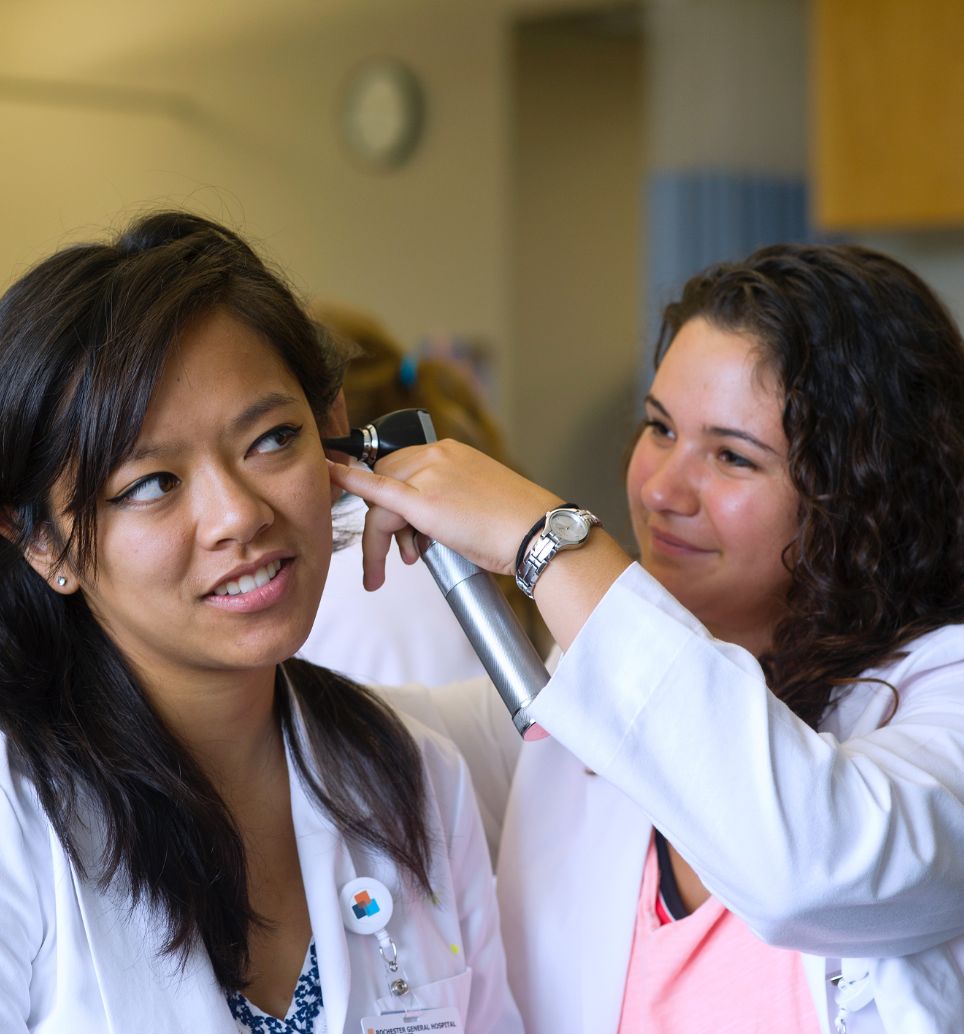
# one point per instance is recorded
(305, 1008)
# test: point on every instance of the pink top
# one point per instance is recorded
(709, 974)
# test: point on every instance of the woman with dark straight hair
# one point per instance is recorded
(773, 697)
(198, 833)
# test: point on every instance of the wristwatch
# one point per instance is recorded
(566, 527)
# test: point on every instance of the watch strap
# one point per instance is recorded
(537, 551)
(536, 528)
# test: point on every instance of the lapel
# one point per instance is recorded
(815, 968)
(615, 839)
(134, 979)
(326, 866)
(569, 878)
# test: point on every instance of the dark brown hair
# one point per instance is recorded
(84, 338)
(872, 367)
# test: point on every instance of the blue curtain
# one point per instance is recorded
(699, 217)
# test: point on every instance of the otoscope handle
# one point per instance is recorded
(490, 624)
(488, 621)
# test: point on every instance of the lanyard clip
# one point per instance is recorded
(366, 908)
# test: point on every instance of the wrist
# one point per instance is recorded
(536, 529)
(562, 528)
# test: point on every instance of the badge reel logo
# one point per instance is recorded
(366, 905)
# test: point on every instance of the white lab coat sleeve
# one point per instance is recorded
(491, 1006)
(852, 848)
(21, 923)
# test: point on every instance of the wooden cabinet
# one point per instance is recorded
(887, 113)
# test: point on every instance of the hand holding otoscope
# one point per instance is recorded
(512, 662)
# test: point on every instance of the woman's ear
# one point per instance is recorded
(42, 554)
(337, 426)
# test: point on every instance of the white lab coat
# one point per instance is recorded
(844, 844)
(73, 961)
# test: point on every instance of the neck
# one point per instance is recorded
(227, 722)
(757, 639)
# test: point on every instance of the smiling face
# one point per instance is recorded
(214, 535)
(710, 497)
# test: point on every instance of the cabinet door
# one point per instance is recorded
(888, 113)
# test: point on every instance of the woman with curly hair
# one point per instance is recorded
(758, 730)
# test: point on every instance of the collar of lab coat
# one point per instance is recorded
(326, 866)
(136, 980)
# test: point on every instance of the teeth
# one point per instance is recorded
(247, 582)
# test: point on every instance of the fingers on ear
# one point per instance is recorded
(337, 426)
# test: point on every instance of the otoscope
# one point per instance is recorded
(488, 621)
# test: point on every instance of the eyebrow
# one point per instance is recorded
(717, 432)
(249, 416)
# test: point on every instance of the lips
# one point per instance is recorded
(674, 543)
(247, 582)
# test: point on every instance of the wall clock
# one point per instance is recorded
(381, 113)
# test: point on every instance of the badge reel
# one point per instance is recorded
(366, 908)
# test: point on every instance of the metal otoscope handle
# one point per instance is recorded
(489, 623)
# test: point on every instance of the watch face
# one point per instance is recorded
(568, 527)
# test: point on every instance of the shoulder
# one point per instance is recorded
(468, 712)
(449, 780)
(934, 658)
(440, 754)
(18, 796)
(923, 685)
(27, 849)
(471, 715)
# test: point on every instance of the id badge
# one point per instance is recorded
(414, 1021)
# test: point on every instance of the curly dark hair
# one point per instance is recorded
(872, 367)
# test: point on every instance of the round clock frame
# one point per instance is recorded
(382, 113)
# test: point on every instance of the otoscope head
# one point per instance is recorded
(385, 435)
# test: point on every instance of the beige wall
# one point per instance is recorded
(228, 106)
(259, 149)
(577, 171)
(726, 84)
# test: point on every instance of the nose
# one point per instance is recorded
(671, 484)
(229, 510)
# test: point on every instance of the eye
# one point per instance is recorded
(734, 459)
(148, 489)
(658, 429)
(276, 439)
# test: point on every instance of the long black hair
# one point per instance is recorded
(872, 369)
(84, 338)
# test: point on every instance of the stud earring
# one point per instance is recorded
(61, 580)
